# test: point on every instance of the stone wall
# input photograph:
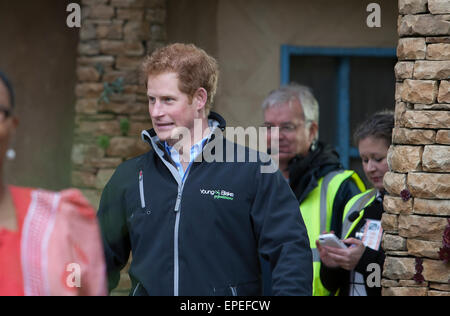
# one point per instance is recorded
(418, 183)
(111, 106)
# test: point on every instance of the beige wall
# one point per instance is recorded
(193, 21)
(38, 51)
(246, 36)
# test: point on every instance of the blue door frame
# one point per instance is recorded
(345, 150)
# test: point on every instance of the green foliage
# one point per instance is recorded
(103, 142)
(117, 86)
(124, 126)
(100, 69)
(109, 88)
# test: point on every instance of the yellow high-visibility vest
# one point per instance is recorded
(356, 204)
(317, 210)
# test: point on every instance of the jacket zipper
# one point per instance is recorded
(176, 276)
(233, 290)
(177, 210)
(141, 188)
(176, 271)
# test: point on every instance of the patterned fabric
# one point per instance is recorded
(38, 226)
(60, 246)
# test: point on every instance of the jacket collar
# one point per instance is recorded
(150, 136)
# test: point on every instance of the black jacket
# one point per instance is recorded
(335, 279)
(203, 237)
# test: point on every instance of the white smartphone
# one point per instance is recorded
(330, 240)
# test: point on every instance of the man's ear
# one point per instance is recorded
(200, 98)
(313, 131)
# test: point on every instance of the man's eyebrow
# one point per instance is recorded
(287, 123)
(164, 96)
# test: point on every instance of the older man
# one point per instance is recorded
(194, 226)
(312, 168)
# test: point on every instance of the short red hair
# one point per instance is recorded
(194, 67)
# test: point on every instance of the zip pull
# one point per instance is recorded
(178, 203)
(141, 188)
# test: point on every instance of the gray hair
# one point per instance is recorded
(303, 93)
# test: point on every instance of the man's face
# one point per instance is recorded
(169, 107)
(295, 138)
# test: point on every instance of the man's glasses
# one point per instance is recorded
(284, 128)
(4, 114)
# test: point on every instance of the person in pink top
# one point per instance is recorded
(50, 242)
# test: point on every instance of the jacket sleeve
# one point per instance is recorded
(114, 229)
(281, 235)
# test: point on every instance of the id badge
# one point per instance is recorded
(372, 235)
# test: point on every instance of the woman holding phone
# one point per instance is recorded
(349, 272)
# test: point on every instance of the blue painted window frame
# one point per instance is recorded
(343, 146)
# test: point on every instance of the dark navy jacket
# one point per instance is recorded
(204, 236)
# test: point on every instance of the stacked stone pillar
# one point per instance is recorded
(111, 106)
(418, 183)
